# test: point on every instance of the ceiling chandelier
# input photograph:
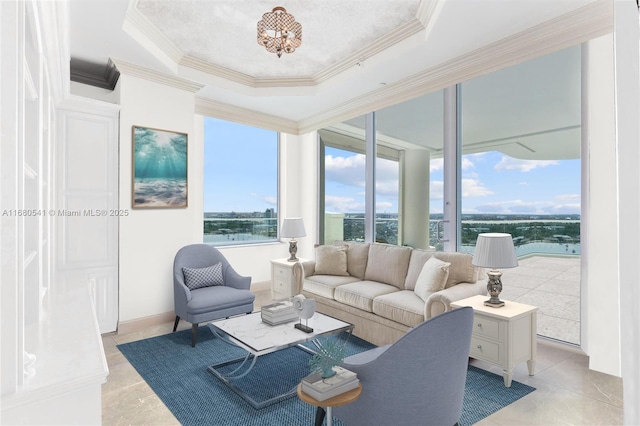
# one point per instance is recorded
(279, 32)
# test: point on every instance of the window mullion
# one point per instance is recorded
(370, 178)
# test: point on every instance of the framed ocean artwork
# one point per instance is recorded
(159, 169)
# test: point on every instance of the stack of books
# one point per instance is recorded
(321, 389)
(279, 313)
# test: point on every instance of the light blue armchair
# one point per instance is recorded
(419, 380)
(230, 297)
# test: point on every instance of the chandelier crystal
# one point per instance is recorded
(279, 32)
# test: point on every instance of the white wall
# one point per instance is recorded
(150, 238)
(601, 294)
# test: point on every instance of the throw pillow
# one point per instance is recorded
(331, 260)
(432, 278)
(195, 278)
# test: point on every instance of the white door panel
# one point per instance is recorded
(86, 223)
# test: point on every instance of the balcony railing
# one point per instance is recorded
(530, 236)
(221, 231)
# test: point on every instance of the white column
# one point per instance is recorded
(627, 113)
(415, 196)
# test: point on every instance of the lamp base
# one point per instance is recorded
(494, 287)
(497, 304)
(303, 327)
(293, 250)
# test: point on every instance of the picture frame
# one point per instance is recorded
(159, 169)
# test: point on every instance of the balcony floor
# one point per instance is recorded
(553, 285)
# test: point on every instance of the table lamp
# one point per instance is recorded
(493, 251)
(293, 228)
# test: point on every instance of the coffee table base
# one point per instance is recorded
(246, 365)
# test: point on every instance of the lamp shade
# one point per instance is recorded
(292, 228)
(495, 250)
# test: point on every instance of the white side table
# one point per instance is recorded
(282, 280)
(503, 336)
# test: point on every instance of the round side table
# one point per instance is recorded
(338, 400)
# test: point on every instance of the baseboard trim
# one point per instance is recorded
(153, 320)
(261, 286)
(139, 324)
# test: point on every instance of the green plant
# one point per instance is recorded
(327, 357)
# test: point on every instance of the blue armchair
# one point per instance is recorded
(419, 380)
(230, 297)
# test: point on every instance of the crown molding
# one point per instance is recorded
(581, 25)
(147, 74)
(427, 10)
(244, 79)
(148, 35)
(245, 116)
(399, 34)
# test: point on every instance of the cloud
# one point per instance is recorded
(509, 163)
(532, 207)
(474, 188)
(571, 208)
(271, 200)
(382, 206)
(470, 188)
(350, 171)
(388, 188)
(568, 197)
(524, 183)
(345, 170)
(342, 204)
(436, 189)
(438, 164)
(466, 164)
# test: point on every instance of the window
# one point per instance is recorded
(240, 183)
(343, 204)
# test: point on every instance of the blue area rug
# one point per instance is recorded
(178, 374)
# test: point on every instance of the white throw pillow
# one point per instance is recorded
(331, 260)
(432, 278)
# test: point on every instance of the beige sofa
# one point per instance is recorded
(373, 286)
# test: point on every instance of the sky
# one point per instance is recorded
(492, 182)
(241, 176)
(240, 167)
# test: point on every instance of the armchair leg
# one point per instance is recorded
(175, 324)
(194, 335)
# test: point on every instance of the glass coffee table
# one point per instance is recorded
(258, 338)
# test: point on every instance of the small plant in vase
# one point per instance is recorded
(327, 357)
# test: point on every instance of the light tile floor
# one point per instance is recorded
(568, 393)
(553, 285)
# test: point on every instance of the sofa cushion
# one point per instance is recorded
(461, 269)
(388, 264)
(331, 260)
(432, 278)
(360, 294)
(196, 278)
(402, 306)
(324, 285)
(357, 254)
(416, 262)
